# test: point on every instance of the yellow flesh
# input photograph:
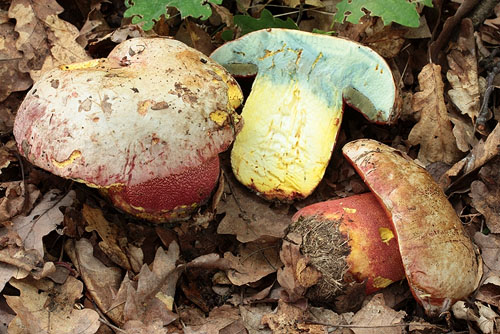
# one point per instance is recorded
(286, 140)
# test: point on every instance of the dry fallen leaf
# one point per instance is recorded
(378, 318)
(252, 318)
(16, 261)
(253, 262)
(386, 42)
(46, 308)
(464, 132)
(463, 74)
(114, 243)
(11, 77)
(101, 282)
(490, 250)
(224, 319)
(483, 315)
(297, 275)
(248, 216)
(14, 203)
(433, 132)
(43, 219)
(485, 194)
(290, 319)
(481, 153)
(150, 297)
(45, 40)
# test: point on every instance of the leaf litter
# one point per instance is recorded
(71, 263)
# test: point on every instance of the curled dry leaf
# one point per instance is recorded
(376, 314)
(45, 40)
(11, 77)
(14, 202)
(489, 245)
(101, 282)
(43, 219)
(464, 132)
(485, 194)
(463, 74)
(253, 262)
(481, 153)
(44, 307)
(482, 314)
(433, 132)
(248, 216)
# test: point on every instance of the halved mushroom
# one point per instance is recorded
(294, 110)
(145, 125)
(440, 261)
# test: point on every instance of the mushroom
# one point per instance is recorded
(349, 240)
(439, 260)
(145, 125)
(295, 107)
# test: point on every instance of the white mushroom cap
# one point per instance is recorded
(152, 108)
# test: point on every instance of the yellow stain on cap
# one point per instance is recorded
(143, 106)
(385, 234)
(381, 282)
(349, 210)
(219, 117)
(82, 65)
(73, 156)
(234, 94)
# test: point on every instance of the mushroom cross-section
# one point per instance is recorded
(145, 124)
(294, 110)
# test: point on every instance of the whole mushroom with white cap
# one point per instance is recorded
(144, 125)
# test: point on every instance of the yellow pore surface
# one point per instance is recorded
(286, 141)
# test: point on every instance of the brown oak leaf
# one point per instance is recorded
(433, 131)
(462, 74)
(45, 40)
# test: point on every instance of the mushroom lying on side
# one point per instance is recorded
(439, 260)
(294, 110)
(348, 240)
(145, 125)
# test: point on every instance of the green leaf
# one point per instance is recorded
(149, 11)
(400, 11)
(266, 20)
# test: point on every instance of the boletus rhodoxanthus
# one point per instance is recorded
(405, 208)
(145, 125)
(295, 107)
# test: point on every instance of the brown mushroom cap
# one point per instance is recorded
(152, 110)
(440, 261)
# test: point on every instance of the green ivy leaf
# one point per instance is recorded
(149, 11)
(266, 20)
(400, 11)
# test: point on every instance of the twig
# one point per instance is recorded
(484, 113)
(482, 11)
(404, 324)
(449, 28)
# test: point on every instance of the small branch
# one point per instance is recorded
(483, 10)
(484, 113)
